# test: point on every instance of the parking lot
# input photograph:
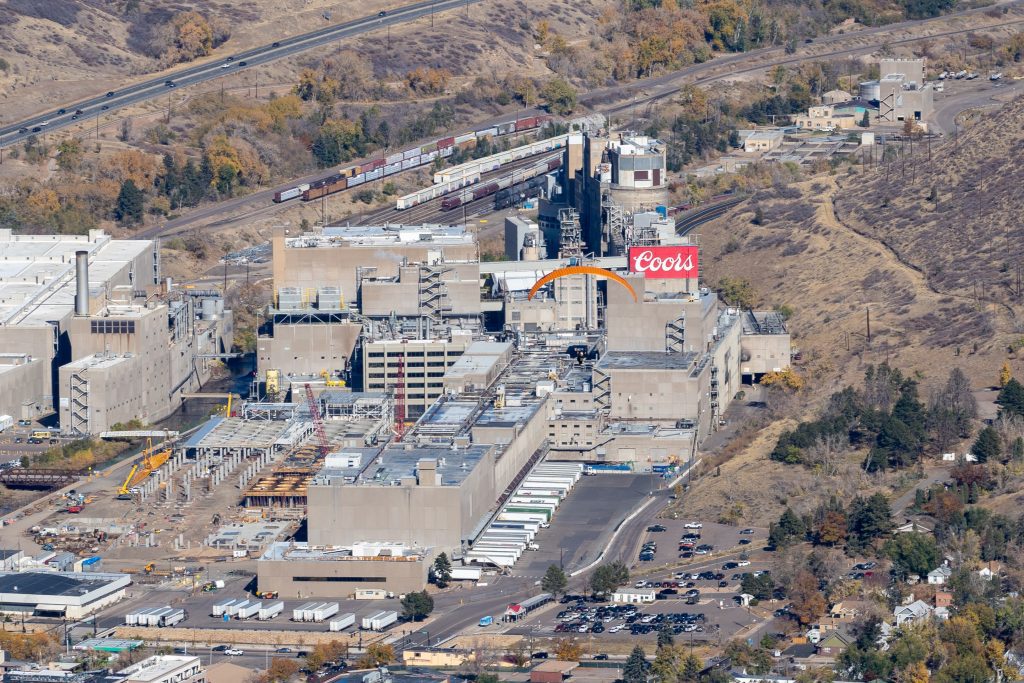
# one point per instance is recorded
(709, 620)
(585, 521)
(717, 539)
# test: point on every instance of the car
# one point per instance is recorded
(104, 107)
(79, 112)
(241, 64)
(36, 129)
(382, 13)
(747, 532)
(646, 557)
(301, 653)
(283, 649)
(169, 83)
(110, 94)
(18, 440)
(230, 59)
(655, 528)
(22, 130)
(601, 656)
(744, 541)
(723, 583)
(693, 525)
(743, 563)
(539, 655)
(224, 66)
(74, 117)
(545, 525)
(219, 648)
(275, 44)
(62, 111)
(44, 123)
(731, 565)
(232, 652)
(180, 651)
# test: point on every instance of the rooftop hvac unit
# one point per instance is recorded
(289, 298)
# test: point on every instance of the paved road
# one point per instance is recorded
(977, 94)
(71, 114)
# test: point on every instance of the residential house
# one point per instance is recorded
(989, 570)
(943, 599)
(915, 526)
(940, 575)
(914, 612)
(835, 643)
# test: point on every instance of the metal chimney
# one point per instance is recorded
(82, 282)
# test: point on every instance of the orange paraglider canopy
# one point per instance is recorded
(581, 270)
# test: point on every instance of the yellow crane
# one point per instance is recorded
(152, 458)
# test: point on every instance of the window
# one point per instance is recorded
(435, 385)
(376, 354)
(112, 326)
(375, 365)
(434, 354)
(435, 364)
(435, 374)
(415, 374)
(376, 375)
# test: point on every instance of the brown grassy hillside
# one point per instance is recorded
(955, 217)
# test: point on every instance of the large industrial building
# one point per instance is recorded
(64, 594)
(89, 331)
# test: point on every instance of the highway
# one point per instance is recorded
(72, 114)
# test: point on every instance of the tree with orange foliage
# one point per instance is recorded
(806, 599)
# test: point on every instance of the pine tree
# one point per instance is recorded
(987, 446)
(635, 668)
(665, 636)
(130, 204)
(442, 570)
(1011, 398)
(865, 120)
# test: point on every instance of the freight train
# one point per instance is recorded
(471, 194)
(358, 174)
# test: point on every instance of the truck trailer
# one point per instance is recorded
(327, 609)
(270, 611)
(342, 622)
(250, 610)
(299, 612)
(379, 621)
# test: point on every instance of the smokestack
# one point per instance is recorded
(82, 282)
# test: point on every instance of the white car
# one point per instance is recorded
(693, 525)
(234, 653)
(545, 525)
(616, 628)
(225, 66)
(742, 563)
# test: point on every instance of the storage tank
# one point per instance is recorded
(209, 309)
(870, 90)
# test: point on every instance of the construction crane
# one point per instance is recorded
(152, 458)
(318, 423)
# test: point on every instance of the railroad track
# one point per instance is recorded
(706, 214)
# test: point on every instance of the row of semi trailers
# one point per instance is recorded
(240, 608)
(529, 509)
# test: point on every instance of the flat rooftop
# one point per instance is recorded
(400, 461)
(158, 666)
(647, 360)
(367, 551)
(37, 272)
(381, 235)
(63, 584)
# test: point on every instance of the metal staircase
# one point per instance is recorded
(434, 302)
(675, 335)
(79, 403)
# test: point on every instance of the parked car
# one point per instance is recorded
(232, 652)
(655, 528)
(747, 532)
(693, 525)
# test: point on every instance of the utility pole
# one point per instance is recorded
(867, 312)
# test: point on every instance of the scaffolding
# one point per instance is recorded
(570, 239)
(434, 301)
(615, 226)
